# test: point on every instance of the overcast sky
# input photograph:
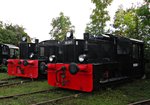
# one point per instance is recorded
(36, 15)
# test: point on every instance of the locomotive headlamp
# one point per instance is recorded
(68, 34)
(52, 58)
(82, 58)
(24, 39)
(31, 55)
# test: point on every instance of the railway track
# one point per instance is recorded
(6, 79)
(13, 81)
(6, 83)
(58, 99)
(143, 102)
(23, 94)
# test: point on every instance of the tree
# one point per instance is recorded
(1, 24)
(134, 23)
(99, 17)
(12, 34)
(126, 23)
(19, 32)
(144, 15)
(60, 26)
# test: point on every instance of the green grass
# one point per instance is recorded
(5, 75)
(26, 87)
(27, 100)
(122, 95)
(30, 99)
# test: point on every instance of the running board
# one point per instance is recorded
(113, 79)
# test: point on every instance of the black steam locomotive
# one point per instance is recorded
(31, 59)
(95, 61)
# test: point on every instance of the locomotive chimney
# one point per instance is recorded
(36, 46)
(69, 35)
(24, 39)
(36, 41)
(86, 36)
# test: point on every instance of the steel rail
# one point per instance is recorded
(5, 79)
(143, 102)
(23, 94)
(58, 99)
(15, 83)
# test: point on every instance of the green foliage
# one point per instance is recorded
(134, 23)
(122, 95)
(60, 26)
(144, 15)
(127, 23)
(12, 34)
(99, 17)
(1, 24)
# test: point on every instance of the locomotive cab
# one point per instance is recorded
(137, 56)
(14, 51)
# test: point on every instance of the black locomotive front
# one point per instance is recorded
(32, 58)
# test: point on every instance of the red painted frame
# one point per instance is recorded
(16, 68)
(82, 81)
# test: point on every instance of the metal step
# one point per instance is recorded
(113, 79)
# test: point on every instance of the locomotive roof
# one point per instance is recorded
(12, 46)
(1, 45)
(131, 39)
(136, 40)
(48, 42)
